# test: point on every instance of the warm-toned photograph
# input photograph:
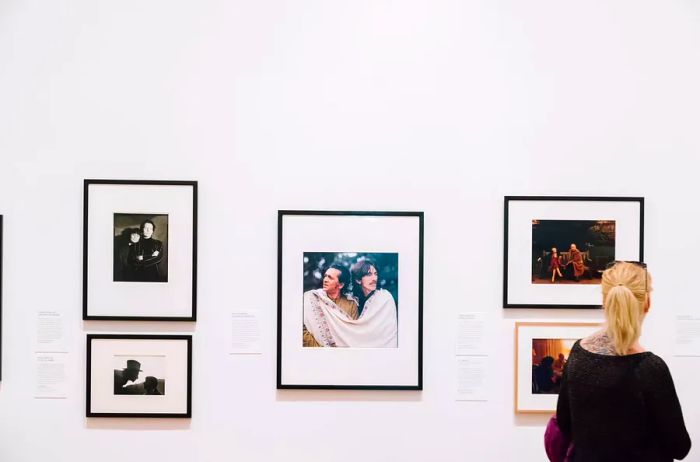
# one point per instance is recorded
(571, 251)
(549, 357)
(350, 299)
(541, 354)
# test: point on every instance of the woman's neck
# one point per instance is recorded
(600, 342)
(636, 348)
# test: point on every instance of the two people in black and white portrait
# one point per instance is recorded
(139, 256)
(350, 309)
(126, 381)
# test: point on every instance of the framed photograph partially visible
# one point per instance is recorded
(0, 297)
(139, 375)
(350, 290)
(556, 248)
(140, 250)
(541, 352)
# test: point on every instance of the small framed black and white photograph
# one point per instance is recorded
(350, 300)
(139, 375)
(556, 248)
(140, 250)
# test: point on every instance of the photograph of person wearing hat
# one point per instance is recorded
(150, 385)
(129, 374)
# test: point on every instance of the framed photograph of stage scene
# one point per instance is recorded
(349, 307)
(140, 250)
(556, 248)
(541, 352)
(139, 375)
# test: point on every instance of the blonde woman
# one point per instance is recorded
(617, 401)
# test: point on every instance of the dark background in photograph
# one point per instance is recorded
(595, 239)
(316, 264)
(547, 367)
(146, 384)
(124, 224)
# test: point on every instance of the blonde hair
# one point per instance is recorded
(626, 288)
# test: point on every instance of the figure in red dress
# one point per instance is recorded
(555, 264)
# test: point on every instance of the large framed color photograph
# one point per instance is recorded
(556, 248)
(541, 351)
(350, 300)
(140, 250)
(139, 375)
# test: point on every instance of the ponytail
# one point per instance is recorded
(626, 289)
(624, 315)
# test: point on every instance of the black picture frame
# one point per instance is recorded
(419, 216)
(137, 337)
(87, 315)
(508, 200)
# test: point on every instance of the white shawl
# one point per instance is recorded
(331, 327)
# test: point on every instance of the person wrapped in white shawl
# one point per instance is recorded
(331, 327)
(376, 326)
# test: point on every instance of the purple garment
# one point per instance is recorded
(558, 446)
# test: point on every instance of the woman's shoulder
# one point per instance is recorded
(653, 364)
(654, 374)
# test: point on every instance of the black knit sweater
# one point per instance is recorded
(621, 408)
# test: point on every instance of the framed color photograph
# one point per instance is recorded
(541, 352)
(139, 375)
(350, 300)
(140, 250)
(556, 248)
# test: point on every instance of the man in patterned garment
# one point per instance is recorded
(576, 260)
(336, 282)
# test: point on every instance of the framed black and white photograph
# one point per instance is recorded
(139, 375)
(140, 247)
(350, 300)
(140, 250)
(556, 248)
(541, 352)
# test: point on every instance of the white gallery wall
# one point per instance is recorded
(441, 106)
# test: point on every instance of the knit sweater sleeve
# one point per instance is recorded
(663, 407)
(563, 407)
